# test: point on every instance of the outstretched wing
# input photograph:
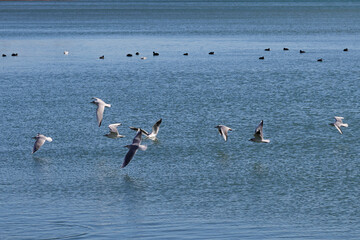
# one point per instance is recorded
(259, 130)
(39, 142)
(130, 154)
(142, 130)
(337, 126)
(113, 128)
(99, 113)
(338, 119)
(156, 127)
(137, 139)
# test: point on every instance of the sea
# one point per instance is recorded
(189, 183)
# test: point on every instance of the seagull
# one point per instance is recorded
(223, 131)
(259, 134)
(154, 132)
(100, 109)
(339, 123)
(40, 140)
(133, 148)
(66, 52)
(114, 133)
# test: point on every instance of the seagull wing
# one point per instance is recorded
(142, 130)
(156, 127)
(137, 139)
(224, 132)
(39, 142)
(113, 128)
(98, 100)
(259, 131)
(99, 113)
(130, 154)
(339, 119)
(337, 126)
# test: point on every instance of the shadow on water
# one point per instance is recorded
(42, 163)
(41, 160)
(222, 156)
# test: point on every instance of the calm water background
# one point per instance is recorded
(190, 184)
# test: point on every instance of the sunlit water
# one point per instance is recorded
(190, 184)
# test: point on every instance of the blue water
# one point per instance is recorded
(190, 184)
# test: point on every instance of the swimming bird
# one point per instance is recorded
(143, 58)
(102, 57)
(66, 52)
(211, 53)
(267, 49)
(186, 54)
(137, 53)
(100, 109)
(129, 55)
(339, 123)
(258, 135)
(302, 51)
(285, 49)
(114, 133)
(320, 60)
(14, 54)
(4, 55)
(40, 140)
(223, 131)
(346, 49)
(262, 58)
(155, 54)
(133, 148)
(154, 132)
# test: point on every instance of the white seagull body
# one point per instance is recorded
(40, 140)
(154, 132)
(339, 123)
(223, 131)
(133, 149)
(258, 135)
(100, 109)
(66, 52)
(114, 133)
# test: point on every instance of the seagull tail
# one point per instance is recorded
(345, 125)
(107, 105)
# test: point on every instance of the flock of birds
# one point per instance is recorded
(136, 144)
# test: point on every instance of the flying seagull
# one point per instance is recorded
(40, 140)
(339, 123)
(154, 132)
(100, 109)
(223, 131)
(133, 148)
(258, 135)
(114, 133)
